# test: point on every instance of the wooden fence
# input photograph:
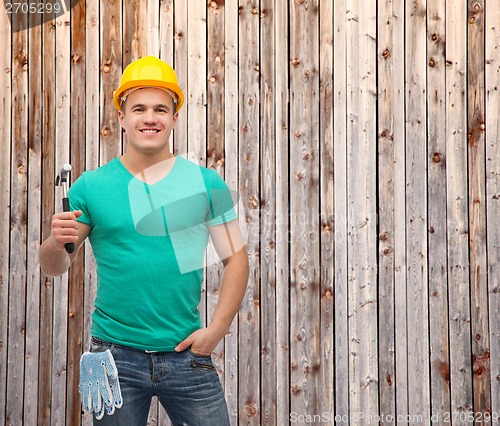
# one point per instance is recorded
(362, 138)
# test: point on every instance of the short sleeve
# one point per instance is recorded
(221, 201)
(77, 195)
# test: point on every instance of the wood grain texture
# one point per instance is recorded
(492, 100)
(361, 138)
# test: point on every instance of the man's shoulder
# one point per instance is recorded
(190, 166)
(102, 172)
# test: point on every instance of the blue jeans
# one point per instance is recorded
(186, 384)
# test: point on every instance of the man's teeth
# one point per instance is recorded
(151, 131)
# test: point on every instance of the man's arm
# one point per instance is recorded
(52, 255)
(228, 243)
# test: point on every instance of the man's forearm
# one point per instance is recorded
(233, 286)
(53, 260)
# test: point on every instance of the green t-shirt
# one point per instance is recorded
(149, 242)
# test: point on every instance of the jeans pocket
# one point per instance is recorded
(201, 361)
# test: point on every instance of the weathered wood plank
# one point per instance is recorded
(92, 76)
(361, 214)
(76, 308)
(436, 160)
(111, 69)
(62, 155)
(388, 53)
(416, 211)
(33, 226)
(196, 90)
(477, 208)
(181, 69)
(5, 153)
(341, 356)
(248, 107)
(135, 34)
(215, 149)
(492, 100)
(282, 214)
(18, 220)
(457, 211)
(400, 260)
(48, 205)
(267, 215)
(231, 177)
(325, 231)
(167, 31)
(305, 357)
(153, 25)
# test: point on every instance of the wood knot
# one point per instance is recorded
(105, 131)
(434, 37)
(477, 7)
(295, 62)
(296, 388)
(432, 62)
(301, 175)
(436, 157)
(212, 79)
(106, 68)
(386, 53)
(472, 19)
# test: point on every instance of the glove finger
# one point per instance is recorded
(97, 399)
(100, 414)
(110, 410)
(85, 397)
(117, 393)
(105, 392)
(110, 365)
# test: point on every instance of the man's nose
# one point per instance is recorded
(149, 116)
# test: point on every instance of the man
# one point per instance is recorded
(148, 215)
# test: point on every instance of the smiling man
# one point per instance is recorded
(148, 215)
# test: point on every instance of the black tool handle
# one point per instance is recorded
(70, 247)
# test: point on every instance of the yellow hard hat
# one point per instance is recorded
(148, 71)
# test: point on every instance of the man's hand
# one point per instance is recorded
(54, 260)
(202, 341)
(64, 228)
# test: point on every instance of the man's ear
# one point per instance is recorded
(121, 117)
(175, 117)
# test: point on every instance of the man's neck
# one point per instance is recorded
(137, 163)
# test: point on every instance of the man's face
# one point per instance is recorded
(148, 117)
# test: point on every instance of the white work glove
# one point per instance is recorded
(99, 387)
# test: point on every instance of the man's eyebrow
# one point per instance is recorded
(153, 106)
(156, 106)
